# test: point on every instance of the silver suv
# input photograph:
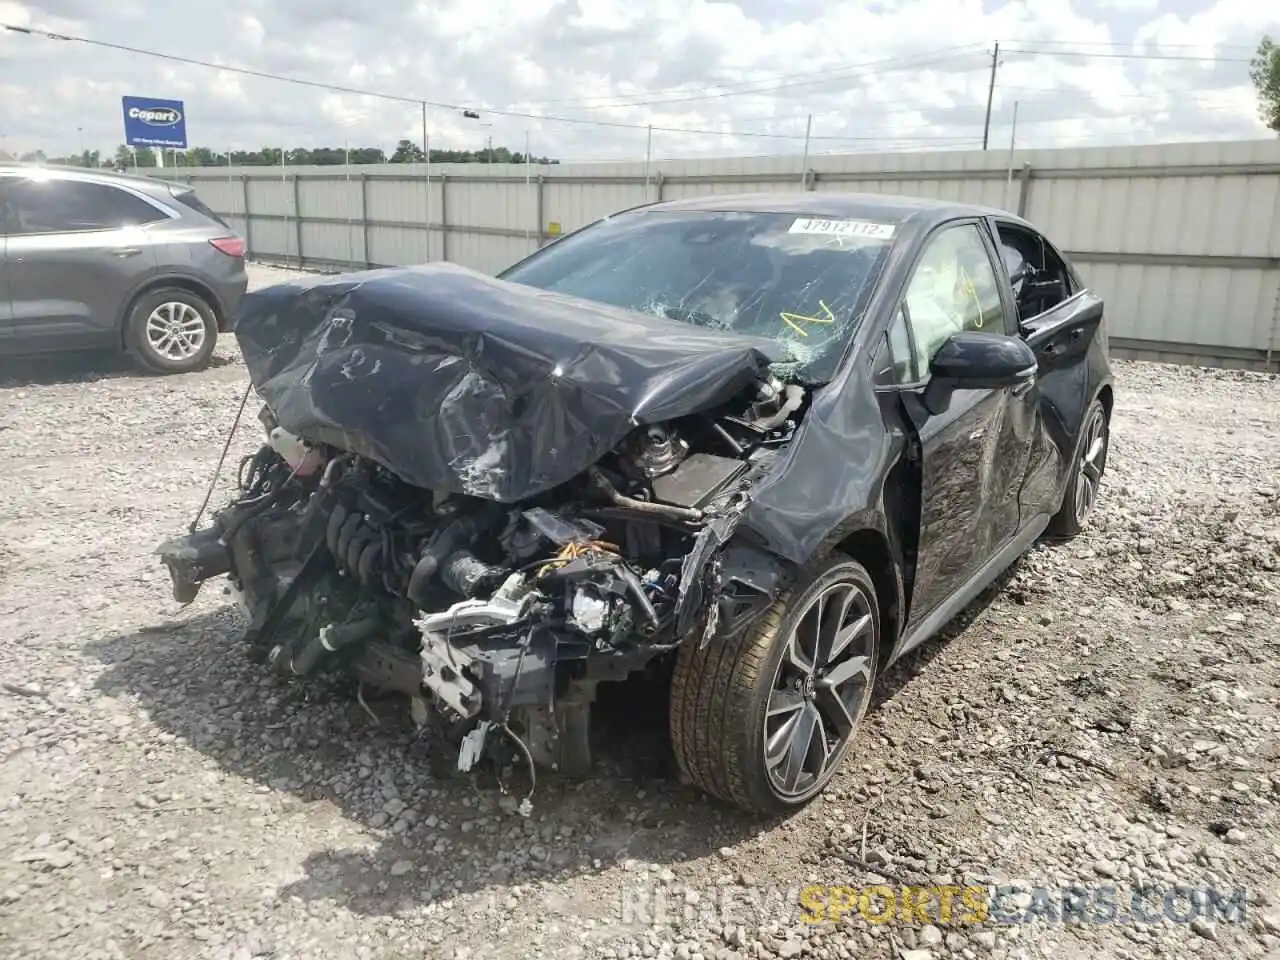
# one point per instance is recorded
(101, 260)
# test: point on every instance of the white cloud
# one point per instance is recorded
(909, 74)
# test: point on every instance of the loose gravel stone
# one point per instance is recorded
(1106, 715)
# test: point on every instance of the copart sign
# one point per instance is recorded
(149, 122)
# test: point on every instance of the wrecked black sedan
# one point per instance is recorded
(761, 445)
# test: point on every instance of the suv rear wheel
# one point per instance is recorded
(764, 720)
(171, 330)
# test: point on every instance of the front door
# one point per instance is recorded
(73, 253)
(974, 454)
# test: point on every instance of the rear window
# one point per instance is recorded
(189, 199)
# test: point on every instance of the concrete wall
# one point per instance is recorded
(1183, 240)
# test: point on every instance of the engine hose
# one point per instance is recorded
(368, 561)
(347, 534)
(794, 397)
(441, 544)
(355, 550)
(640, 506)
(637, 593)
(336, 519)
(333, 638)
(246, 511)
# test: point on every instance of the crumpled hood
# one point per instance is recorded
(460, 382)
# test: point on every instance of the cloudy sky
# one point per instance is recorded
(712, 78)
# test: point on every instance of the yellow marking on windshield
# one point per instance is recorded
(967, 287)
(786, 318)
(793, 320)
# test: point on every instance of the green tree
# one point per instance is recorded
(125, 156)
(1264, 71)
(407, 152)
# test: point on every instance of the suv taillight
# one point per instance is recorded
(231, 246)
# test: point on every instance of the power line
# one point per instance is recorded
(681, 94)
(969, 47)
(816, 75)
(1130, 56)
(417, 101)
(915, 61)
(1122, 43)
(891, 65)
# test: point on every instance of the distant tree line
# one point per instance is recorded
(406, 151)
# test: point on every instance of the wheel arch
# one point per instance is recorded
(871, 548)
(1107, 396)
(180, 281)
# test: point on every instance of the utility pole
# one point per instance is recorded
(648, 160)
(804, 163)
(426, 180)
(1013, 137)
(991, 90)
(528, 183)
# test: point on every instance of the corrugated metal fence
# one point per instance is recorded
(1183, 240)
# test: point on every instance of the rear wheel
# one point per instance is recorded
(764, 720)
(171, 331)
(1088, 466)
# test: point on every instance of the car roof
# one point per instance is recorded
(135, 181)
(882, 207)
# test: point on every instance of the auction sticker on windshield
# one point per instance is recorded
(843, 228)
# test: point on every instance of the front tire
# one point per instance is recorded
(763, 720)
(1088, 465)
(171, 330)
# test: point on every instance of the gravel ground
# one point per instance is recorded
(1107, 716)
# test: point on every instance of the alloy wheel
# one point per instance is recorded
(175, 330)
(1093, 460)
(821, 690)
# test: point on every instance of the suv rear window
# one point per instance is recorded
(188, 198)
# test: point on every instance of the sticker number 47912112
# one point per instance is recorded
(844, 228)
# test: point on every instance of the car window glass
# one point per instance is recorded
(771, 275)
(63, 206)
(953, 289)
(895, 362)
(188, 198)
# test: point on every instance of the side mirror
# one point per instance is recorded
(971, 360)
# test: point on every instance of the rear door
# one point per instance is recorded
(1059, 318)
(74, 251)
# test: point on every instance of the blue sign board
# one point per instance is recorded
(149, 122)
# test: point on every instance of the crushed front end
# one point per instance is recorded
(491, 605)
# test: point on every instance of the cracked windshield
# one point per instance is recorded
(796, 280)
